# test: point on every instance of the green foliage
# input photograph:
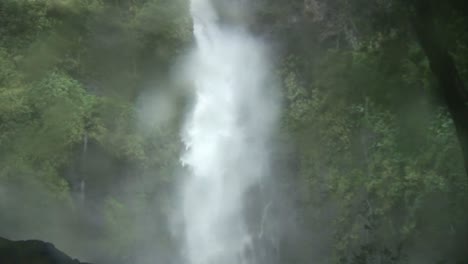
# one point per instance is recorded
(371, 140)
(69, 73)
(380, 165)
(172, 20)
(21, 22)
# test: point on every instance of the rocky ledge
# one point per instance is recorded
(32, 252)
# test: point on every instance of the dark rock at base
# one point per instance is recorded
(32, 252)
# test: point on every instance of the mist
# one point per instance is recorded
(235, 132)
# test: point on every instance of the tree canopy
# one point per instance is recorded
(92, 98)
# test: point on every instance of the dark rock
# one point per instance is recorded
(32, 252)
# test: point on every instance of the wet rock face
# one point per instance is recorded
(32, 252)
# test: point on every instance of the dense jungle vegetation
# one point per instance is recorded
(371, 154)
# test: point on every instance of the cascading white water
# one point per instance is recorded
(226, 138)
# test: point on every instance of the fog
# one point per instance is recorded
(229, 132)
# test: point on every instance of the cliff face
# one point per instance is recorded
(32, 252)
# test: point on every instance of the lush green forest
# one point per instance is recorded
(371, 156)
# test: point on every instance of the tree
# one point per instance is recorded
(451, 86)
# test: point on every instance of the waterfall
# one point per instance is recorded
(82, 186)
(226, 136)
